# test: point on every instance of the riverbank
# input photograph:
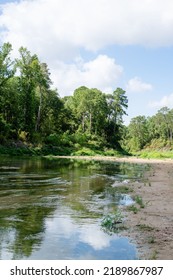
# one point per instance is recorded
(151, 226)
(130, 159)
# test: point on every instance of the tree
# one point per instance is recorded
(8, 91)
(27, 65)
(43, 84)
(90, 109)
(34, 83)
(161, 125)
(117, 104)
(10, 103)
(52, 118)
(137, 133)
(7, 69)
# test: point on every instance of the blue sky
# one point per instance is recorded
(103, 43)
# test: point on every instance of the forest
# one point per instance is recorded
(34, 119)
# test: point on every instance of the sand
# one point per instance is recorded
(151, 228)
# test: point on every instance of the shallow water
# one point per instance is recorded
(52, 209)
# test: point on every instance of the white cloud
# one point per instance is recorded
(60, 30)
(59, 26)
(166, 101)
(137, 85)
(102, 73)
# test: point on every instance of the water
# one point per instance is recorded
(52, 209)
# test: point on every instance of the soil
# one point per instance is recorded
(151, 228)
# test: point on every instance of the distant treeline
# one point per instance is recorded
(88, 122)
(154, 132)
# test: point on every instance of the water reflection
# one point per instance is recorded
(51, 209)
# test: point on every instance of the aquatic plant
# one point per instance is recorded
(112, 223)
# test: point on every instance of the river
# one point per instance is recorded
(53, 209)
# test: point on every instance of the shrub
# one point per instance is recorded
(84, 152)
(53, 139)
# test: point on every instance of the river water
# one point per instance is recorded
(53, 209)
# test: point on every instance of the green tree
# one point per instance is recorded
(43, 83)
(137, 133)
(34, 84)
(117, 104)
(7, 69)
(27, 65)
(52, 118)
(8, 91)
(161, 125)
(89, 108)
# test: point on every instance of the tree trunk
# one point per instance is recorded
(90, 127)
(39, 111)
(83, 123)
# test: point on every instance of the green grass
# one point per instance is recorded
(151, 240)
(139, 201)
(154, 255)
(156, 154)
(133, 208)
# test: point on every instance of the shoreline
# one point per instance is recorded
(130, 159)
(151, 228)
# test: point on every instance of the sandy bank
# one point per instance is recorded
(119, 159)
(152, 226)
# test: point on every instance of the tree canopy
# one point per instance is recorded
(32, 111)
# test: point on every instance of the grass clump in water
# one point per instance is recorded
(113, 223)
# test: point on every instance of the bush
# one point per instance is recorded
(53, 139)
(112, 152)
(23, 135)
(2, 140)
(84, 152)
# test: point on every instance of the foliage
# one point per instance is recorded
(150, 137)
(87, 123)
(84, 152)
(133, 208)
(138, 200)
(112, 223)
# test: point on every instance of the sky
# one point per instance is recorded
(101, 44)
